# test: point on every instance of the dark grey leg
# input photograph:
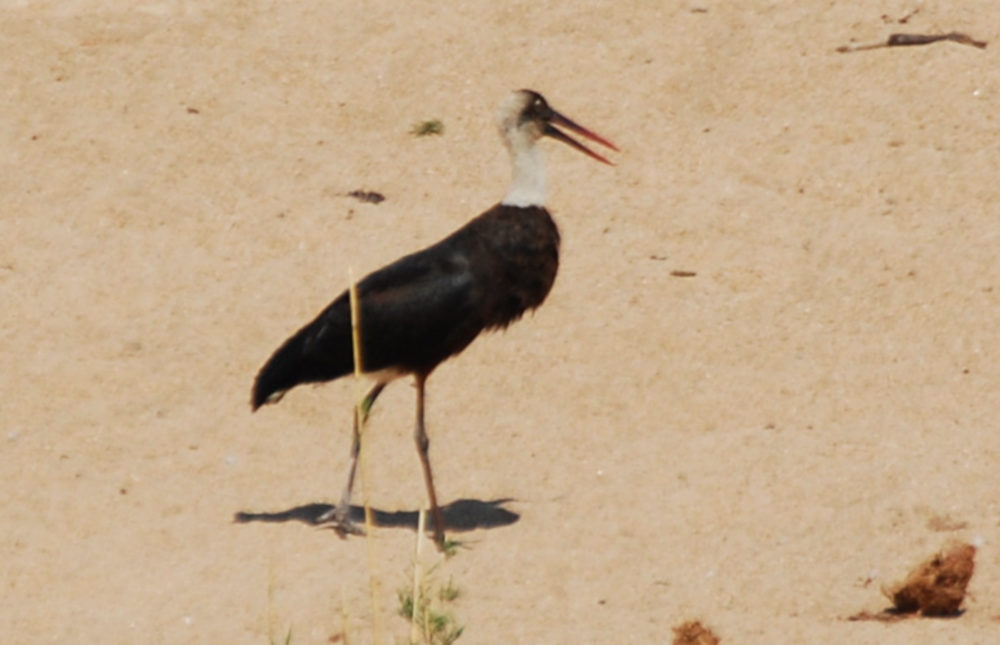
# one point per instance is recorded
(423, 444)
(341, 514)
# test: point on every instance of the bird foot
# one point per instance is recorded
(340, 521)
(344, 529)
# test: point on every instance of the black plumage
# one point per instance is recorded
(427, 306)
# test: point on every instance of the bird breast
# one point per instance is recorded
(519, 256)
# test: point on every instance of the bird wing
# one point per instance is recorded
(415, 312)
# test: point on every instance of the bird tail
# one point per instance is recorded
(279, 373)
(315, 353)
(320, 351)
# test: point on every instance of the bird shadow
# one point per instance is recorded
(460, 515)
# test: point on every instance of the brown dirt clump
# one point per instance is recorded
(694, 633)
(937, 586)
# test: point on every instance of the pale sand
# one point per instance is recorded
(760, 447)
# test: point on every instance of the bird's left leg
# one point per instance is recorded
(423, 444)
(341, 513)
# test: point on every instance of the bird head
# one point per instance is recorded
(525, 116)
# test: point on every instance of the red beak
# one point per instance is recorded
(569, 124)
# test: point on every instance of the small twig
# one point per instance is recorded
(905, 40)
(369, 196)
(902, 40)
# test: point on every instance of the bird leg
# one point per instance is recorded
(341, 513)
(423, 443)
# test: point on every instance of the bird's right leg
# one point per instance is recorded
(341, 513)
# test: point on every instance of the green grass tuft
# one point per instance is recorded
(429, 127)
(435, 625)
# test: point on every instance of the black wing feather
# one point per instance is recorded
(415, 313)
(426, 306)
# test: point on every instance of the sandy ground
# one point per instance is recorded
(761, 446)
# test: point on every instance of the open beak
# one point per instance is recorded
(558, 119)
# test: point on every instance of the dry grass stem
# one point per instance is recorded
(360, 419)
(417, 576)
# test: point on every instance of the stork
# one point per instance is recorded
(430, 305)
